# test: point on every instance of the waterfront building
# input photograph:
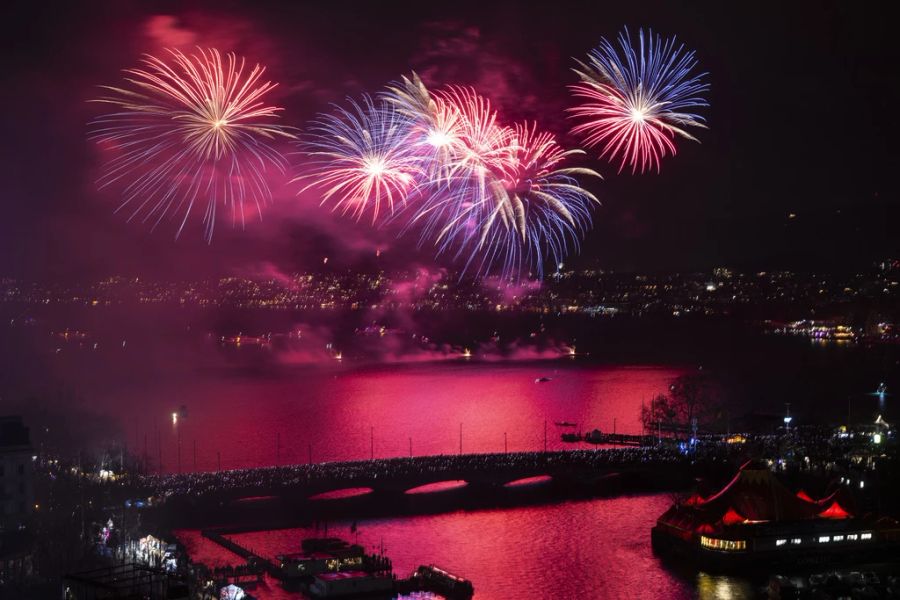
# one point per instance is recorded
(16, 474)
(755, 518)
(16, 501)
(322, 555)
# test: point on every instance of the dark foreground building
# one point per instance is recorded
(16, 502)
(16, 474)
(756, 519)
(128, 581)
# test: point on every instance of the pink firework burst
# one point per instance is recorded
(637, 99)
(192, 130)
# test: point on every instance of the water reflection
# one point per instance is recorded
(724, 587)
(597, 548)
(440, 486)
(529, 481)
(341, 494)
(385, 412)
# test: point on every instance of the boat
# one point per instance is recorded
(594, 437)
(542, 380)
(347, 584)
(328, 555)
(321, 555)
(565, 424)
(882, 389)
(434, 579)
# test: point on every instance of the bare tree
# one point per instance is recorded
(660, 411)
(695, 396)
(690, 396)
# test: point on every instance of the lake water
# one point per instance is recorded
(246, 407)
(596, 548)
(347, 414)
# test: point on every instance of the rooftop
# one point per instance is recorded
(13, 432)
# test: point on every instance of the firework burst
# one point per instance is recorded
(364, 158)
(464, 183)
(497, 197)
(193, 130)
(535, 211)
(637, 98)
(435, 126)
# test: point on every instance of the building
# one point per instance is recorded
(322, 555)
(755, 518)
(16, 474)
(16, 501)
(126, 581)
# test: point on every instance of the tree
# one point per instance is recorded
(690, 396)
(695, 396)
(659, 411)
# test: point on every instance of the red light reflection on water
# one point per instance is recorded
(440, 486)
(207, 552)
(344, 493)
(350, 414)
(596, 548)
(528, 481)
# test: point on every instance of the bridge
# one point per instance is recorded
(400, 475)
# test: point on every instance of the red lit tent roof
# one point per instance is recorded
(706, 528)
(887, 522)
(731, 517)
(756, 495)
(694, 500)
(841, 495)
(804, 496)
(835, 511)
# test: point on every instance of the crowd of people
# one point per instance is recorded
(812, 446)
(369, 472)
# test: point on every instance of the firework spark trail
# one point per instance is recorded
(436, 127)
(196, 129)
(363, 157)
(637, 99)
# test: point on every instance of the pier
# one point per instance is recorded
(612, 439)
(256, 564)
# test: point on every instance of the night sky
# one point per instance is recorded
(802, 121)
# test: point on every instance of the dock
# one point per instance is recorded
(611, 439)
